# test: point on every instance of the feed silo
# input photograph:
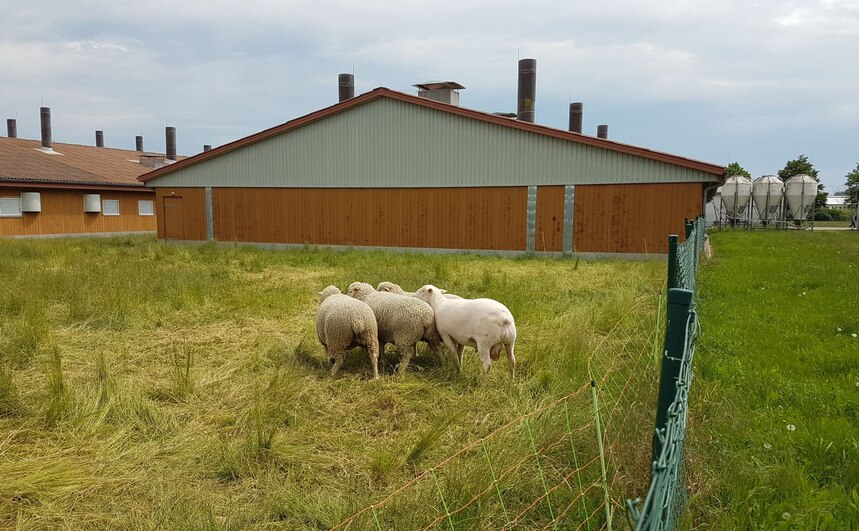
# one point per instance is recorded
(736, 193)
(767, 194)
(800, 192)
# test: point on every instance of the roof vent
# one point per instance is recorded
(45, 113)
(154, 160)
(346, 82)
(443, 91)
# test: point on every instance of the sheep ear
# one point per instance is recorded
(442, 290)
(320, 293)
(429, 290)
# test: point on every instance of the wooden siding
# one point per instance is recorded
(185, 209)
(63, 213)
(632, 218)
(443, 218)
(550, 219)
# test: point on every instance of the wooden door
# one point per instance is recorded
(174, 227)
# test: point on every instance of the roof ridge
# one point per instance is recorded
(384, 92)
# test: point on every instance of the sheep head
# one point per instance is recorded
(359, 290)
(390, 287)
(327, 292)
(428, 293)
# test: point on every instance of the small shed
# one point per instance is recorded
(392, 170)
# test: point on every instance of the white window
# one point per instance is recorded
(146, 207)
(110, 207)
(10, 207)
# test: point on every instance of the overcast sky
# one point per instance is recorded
(755, 82)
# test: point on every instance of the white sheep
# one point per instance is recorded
(401, 320)
(483, 324)
(390, 287)
(343, 323)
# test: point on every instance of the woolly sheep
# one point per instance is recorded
(402, 321)
(483, 324)
(343, 323)
(390, 287)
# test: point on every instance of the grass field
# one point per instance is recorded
(774, 409)
(832, 223)
(152, 386)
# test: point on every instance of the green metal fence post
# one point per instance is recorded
(689, 226)
(679, 301)
(672, 261)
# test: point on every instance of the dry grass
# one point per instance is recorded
(153, 386)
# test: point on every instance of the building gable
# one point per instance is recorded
(393, 140)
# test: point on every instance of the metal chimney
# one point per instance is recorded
(170, 133)
(347, 86)
(11, 128)
(602, 131)
(207, 147)
(576, 109)
(46, 126)
(527, 90)
(138, 143)
(99, 139)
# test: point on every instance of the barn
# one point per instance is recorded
(392, 170)
(56, 189)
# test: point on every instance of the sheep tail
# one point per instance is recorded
(509, 335)
(358, 325)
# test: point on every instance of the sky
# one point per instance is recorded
(756, 82)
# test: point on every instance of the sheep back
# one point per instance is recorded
(343, 323)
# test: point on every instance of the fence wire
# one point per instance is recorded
(666, 495)
(542, 469)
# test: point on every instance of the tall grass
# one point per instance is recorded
(146, 386)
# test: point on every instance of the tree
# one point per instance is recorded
(799, 166)
(852, 184)
(734, 168)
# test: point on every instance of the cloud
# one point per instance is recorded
(715, 80)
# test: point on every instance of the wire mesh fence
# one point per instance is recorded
(666, 496)
(560, 465)
(551, 468)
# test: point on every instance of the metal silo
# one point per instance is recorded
(800, 191)
(736, 193)
(767, 194)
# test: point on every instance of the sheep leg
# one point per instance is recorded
(373, 351)
(455, 349)
(484, 351)
(407, 353)
(338, 356)
(511, 359)
(458, 356)
(435, 346)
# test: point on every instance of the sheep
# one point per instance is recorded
(343, 323)
(483, 324)
(401, 320)
(390, 287)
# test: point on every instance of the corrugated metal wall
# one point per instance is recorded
(63, 213)
(387, 143)
(624, 218)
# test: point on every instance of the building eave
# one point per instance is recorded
(382, 92)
